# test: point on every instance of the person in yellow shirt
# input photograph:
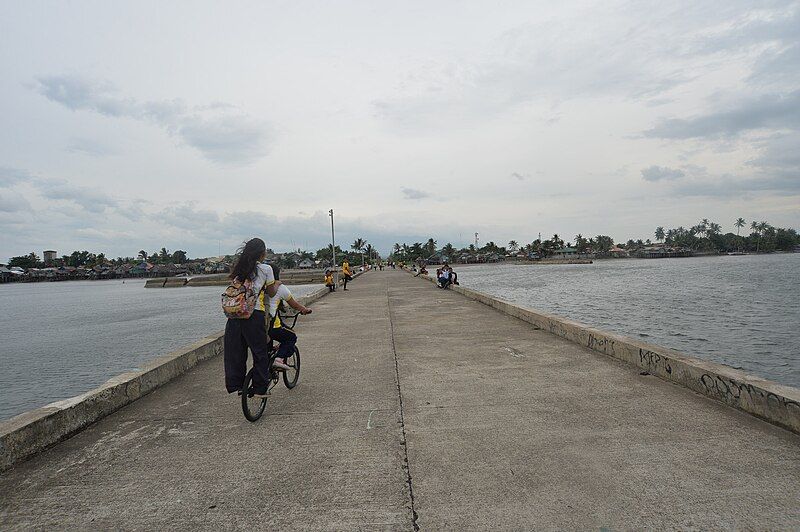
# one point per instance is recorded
(329, 282)
(347, 275)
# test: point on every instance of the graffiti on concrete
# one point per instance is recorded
(655, 361)
(557, 328)
(733, 391)
(601, 344)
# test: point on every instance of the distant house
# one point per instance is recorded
(5, 275)
(617, 252)
(49, 256)
(141, 270)
(565, 253)
(305, 264)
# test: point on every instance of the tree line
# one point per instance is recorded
(708, 236)
(705, 236)
(86, 259)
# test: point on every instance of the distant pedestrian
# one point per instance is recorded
(347, 274)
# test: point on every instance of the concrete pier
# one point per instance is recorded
(419, 408)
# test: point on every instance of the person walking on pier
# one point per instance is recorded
(241, 333)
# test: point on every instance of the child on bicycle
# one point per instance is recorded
(276, 331)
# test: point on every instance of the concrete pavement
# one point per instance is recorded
(414, 398)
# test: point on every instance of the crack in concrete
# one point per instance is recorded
(404, 441)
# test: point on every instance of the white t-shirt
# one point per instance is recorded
(264, 276)
(283, 294)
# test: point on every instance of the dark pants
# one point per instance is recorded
(287, 340)
(347, 278)
(239, 335)
(331, 287)
(444, 282)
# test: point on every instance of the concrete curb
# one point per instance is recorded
(773, 402)
(31, 432)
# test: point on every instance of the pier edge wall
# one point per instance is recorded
(768, 400)
(31, 432)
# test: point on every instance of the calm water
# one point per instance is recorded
(741, 311)
(62, 339)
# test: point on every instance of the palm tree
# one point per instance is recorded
(739, 223)
(430, 247)
(513, 246)
(761, 227)
(660, 234)
(143, 254)
(358, 245)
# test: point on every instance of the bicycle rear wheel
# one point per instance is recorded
(252, 407)
(290, 376)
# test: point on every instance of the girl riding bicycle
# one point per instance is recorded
(251, 332)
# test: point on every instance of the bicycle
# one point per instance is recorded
(253, 407)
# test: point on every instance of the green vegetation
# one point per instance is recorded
(706, 236)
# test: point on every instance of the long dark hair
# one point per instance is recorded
(249, 255)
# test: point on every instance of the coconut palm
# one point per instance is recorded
(358, 245)
(430, 247)
(513, 246)
(660, 234)
(739, 223)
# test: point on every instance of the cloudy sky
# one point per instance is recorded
(195, 125)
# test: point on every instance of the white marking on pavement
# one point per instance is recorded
(369, 420)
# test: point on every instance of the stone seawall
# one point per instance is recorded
(289, 277)
(773, 402)
(31, 432)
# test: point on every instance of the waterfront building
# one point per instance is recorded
(565, 253)
(617, 252)
(49, 256)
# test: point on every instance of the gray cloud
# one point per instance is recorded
(414, 194)
(11, 201)
(661, 173)
(518, 176)
(780, 158)
(218, 131)
(780, 67)
(727, 185)
(10, 176)
(768, 111)
(89, 199)
(89, 147)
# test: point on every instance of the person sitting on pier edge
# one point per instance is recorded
(329, 281)
(277, 332)
(251, 332)
(443, 276)
(347, 275)
(422, 271)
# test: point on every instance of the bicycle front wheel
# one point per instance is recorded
(290, 376)
(252, 407)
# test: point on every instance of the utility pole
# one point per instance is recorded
(476, 240)
(333, 242)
